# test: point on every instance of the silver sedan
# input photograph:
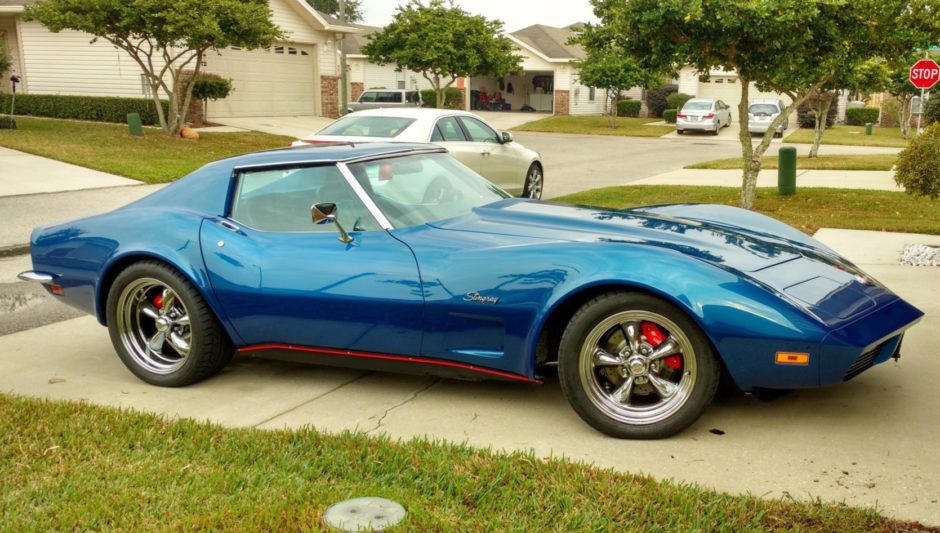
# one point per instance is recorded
(490, 153)
(703, 114)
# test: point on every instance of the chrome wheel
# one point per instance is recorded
(534, 182)
(637, 367)
(153, 325)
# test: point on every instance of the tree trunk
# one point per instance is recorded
(612, 116)
(904, 114)
(751, 166)
(822, 118)
(438, 92)
(155, 94)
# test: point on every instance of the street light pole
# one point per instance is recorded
(343, 79)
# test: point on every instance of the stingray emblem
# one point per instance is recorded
(477, 297)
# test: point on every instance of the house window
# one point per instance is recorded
(719, 80)
(235, 47)
(401, 84)
(291, 51)
(304, 53)
(591, 94)
(278, 49)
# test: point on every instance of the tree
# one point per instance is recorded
(443, 42)
(608, 67)
(869, 76)
(354, 12)
(164, 37)
(793, 47)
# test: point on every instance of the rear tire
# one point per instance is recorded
(626, 384)
(534, 182)
(162, 329)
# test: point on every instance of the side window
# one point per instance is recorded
(479, 132)
(447, 130)
(280, 200)
(413, 97)
(389, 97)
(367, 96)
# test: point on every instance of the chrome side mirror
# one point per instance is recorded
(325, 213)
(505, 137)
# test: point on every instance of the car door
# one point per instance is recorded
(448, 133)
(504, 166)
(281, 279)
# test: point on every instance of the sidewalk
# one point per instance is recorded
(24, 173)
(880, 180)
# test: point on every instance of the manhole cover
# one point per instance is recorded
(364, 514)
(920, 255)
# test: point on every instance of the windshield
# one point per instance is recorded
(422, 188)
(697, 106)
(763, 109)
(359, 126)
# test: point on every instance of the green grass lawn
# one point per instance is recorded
(152, 158)
(808, 210)
(851, 135)
(73, 466)
(597, 125)
(823, 162)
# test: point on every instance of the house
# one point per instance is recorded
(724, 85)
(363, 74)
(548, 81)
(298, 76)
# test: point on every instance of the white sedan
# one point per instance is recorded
(492, 154)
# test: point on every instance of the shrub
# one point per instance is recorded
(918, 166)
(656, 99)
(669, 115)
(677, 100)
(889, 113)
(629, 108)
(94, 108)
(453, 98)
(211, 87)
(859, 116)
(807, 119)
(932, 108)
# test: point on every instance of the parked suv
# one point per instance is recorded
(762, 112)
(379, 98)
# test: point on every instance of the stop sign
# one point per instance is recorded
(925, 73)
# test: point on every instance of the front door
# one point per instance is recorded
(281, 279)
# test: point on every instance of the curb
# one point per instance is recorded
(14, 250)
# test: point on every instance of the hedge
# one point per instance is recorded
(807, 118)
(656, 99)
(94, 108)
(669, 115)
(859, 116)
(453, 98)
(932, 108)
(629, 108)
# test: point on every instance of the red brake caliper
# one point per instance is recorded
(655, 337)
(158, 301)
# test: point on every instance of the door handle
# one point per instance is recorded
(230, 226)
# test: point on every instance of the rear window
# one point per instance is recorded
(763, 109)
(359, 126)
(697, 106)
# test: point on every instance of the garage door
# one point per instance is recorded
(278, 81)
(728, 89)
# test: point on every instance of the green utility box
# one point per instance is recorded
(868, 127)
(786, 171)
(135, 125)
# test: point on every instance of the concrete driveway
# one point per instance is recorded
(729, 133)
(867, 442)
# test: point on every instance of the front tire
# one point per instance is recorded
(162, 329)
(534, 182)
(634, 366)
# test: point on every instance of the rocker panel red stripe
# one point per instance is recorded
(401, 358)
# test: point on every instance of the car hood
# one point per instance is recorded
(722, 244)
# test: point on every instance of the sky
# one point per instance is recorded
(515, 14)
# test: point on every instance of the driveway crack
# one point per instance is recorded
(412, 397)
(311, 400)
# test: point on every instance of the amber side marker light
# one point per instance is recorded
(789, 358)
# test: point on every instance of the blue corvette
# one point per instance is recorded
(397, 257)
